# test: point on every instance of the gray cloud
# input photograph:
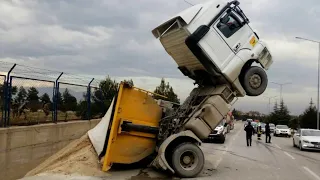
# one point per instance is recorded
(103, 37)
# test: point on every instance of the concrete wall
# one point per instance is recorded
(23, 148)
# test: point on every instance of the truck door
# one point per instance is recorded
(235, 32)
(216, 48)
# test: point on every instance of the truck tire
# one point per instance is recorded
(187, 160)
(254, 81)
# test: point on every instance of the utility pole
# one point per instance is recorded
(318, 42)
(269, 102)
(280, 84)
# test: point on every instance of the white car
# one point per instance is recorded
(282, 130)
(272, 127)
(219, 133)
(213, 43)
(307, 139)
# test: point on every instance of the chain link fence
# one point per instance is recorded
(33, 95)
(31, 101)
(69, 101)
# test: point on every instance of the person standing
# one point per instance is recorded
(268, 136)
(249, 131)
(259, 131)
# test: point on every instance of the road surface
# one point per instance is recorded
(278, 160)
(234, 160)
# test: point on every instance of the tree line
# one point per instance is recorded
(281, 115)
(101, 97)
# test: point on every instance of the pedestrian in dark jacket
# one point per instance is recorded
(249, 132)
(268, 136)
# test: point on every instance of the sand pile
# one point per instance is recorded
(79, 157)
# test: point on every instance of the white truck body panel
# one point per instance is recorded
(227, 50)
(98, 134)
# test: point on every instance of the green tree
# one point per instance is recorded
(294, 123)
(60, 102)
(237, 114)
(309, 117)
(45, 98)
(108, 88)
(130, 82)
(21, 96)
(69, 101)
(32, 94)
(273, 117)
(101, 98)
(280, 114)
(166, 90)
(14, 90)
(284, 114)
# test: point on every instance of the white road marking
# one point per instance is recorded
(289, 155)
(277, 146)
(312, 173)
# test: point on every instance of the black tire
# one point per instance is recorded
(294, 145)
(254, 81)
(300, 147)
(223, 139)
(195, 155)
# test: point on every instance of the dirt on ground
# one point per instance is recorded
(79, 157)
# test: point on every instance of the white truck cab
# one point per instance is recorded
(213, 44)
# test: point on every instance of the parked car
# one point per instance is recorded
(307, 139)
(263, 128)
(254, 125)
(219, 133)
(272, 127)
(282, 130)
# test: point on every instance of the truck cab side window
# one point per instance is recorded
(229, 24)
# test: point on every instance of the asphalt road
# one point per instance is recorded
(234, 160)
(278, 160)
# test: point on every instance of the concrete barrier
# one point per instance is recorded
(23, 148)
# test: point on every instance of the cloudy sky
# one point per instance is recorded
(104, 37)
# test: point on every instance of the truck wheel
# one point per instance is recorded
(187, 160)
(254, 81)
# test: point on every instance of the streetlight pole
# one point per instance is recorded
(269, 102)
(318, 76)
(280, 84)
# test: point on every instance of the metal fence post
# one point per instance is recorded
(3, 101)
(53, 100)
(7, 98)
(89, 100)
(55, 105)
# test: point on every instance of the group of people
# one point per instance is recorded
(250, 131)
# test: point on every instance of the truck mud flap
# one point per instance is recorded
(127, 132)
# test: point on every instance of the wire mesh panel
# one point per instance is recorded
(99, 103)
(71, 102)
(2, 99)
(31, 101)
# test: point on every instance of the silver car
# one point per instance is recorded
(307, 139)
